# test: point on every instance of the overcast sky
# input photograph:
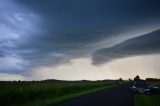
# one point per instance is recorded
(79, 39)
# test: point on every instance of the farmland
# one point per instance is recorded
(46, 92)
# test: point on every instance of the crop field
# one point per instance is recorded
(46, 92)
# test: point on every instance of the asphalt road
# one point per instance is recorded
(117, 96)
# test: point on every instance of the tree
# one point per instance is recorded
(120, 79)
(130, 79)
(137, 78)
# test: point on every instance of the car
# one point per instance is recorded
(140, 87)
(154, 89)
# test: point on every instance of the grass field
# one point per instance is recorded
(147, 100)
(44, 93)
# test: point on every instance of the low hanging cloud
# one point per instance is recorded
(142, 45)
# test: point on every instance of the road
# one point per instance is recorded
(117, 96)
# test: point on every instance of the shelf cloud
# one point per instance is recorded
(142, 45)
(53, 33)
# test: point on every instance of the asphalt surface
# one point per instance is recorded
(117, 96)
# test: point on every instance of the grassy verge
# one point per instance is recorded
(56, 100)
(147, 100)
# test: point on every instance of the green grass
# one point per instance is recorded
(44, 93)
(56, 100)
(147, 100)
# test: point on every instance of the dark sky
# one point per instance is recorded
(51, 33)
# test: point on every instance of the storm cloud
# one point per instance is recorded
(54, 32)
(141, 45)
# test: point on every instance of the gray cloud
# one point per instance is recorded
(1, 54)
(141, 45)
(52, 32)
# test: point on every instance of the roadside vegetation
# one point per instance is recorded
(152, 99)
(147, 100)
(43, 93)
